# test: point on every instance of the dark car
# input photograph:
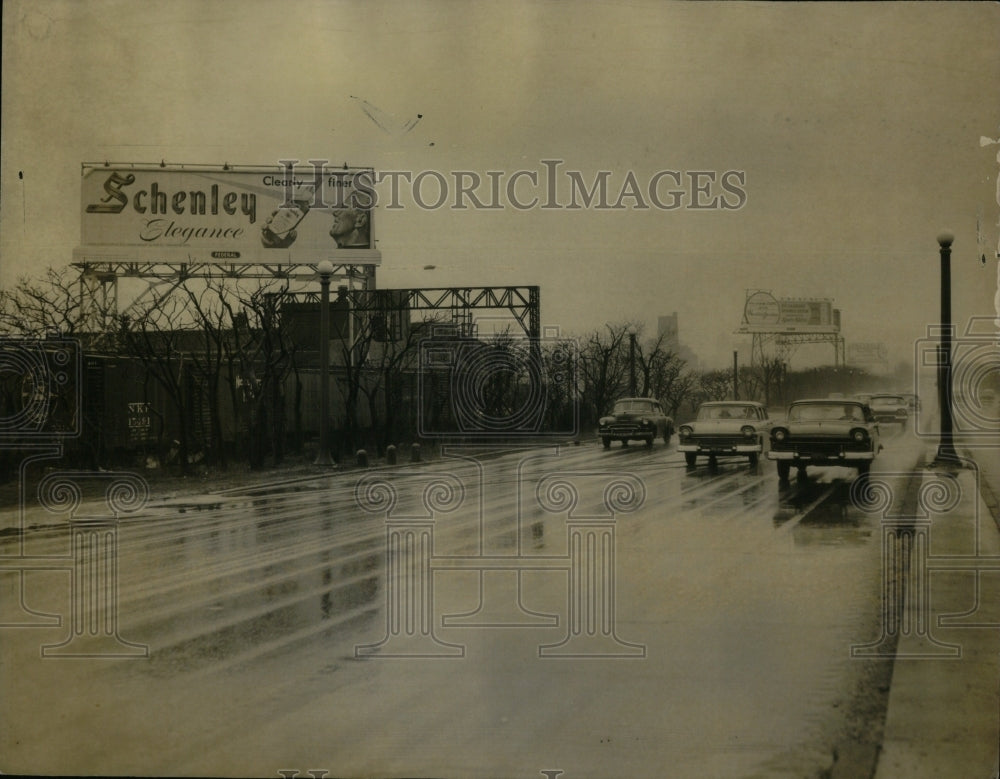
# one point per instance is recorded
(725, 428)
(825, 432)
(890, 408)
(635, 419)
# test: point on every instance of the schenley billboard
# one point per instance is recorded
(284, 214)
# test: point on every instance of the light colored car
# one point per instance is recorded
(912, 401)
(635, 419)
(725, 429)
(825, 432)
(890, 408)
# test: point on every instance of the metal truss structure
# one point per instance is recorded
(99, 280)
(99, 290)
(522, 303)
(785, 345)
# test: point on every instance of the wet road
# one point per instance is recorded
(494, 614)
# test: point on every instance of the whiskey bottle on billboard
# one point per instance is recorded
(278, 232)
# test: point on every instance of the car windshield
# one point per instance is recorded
(633, 407)
(887, 400)
(726, 412)
(825, 412)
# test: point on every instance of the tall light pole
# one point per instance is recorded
(946, 454)
(325, 270)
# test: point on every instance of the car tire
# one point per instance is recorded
(667, 434)
(690, 458)
(624, 442)
(784, 470)
(606, 440)
(753, 459)
(864, 468)
(649, 440)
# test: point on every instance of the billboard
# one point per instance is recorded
(867, 354)
(270, 215)
(764, 313)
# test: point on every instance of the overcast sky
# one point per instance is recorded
(856, 130)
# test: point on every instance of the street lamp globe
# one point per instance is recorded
(946, 237)
(325, 268)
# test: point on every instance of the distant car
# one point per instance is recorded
(635, 419)
(890, 408)
(825, 432)
(912, 401)
(724, 429)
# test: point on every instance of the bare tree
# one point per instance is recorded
(715, 385)
(769, 372)
(157, 335)
(390, 351)
(749, 382)
(215, 331)
(663, 374)
(604, 368)
(259, 356)
(37, 307)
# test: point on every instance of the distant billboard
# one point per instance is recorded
(764, 313)
(867, 354)
(268, 215)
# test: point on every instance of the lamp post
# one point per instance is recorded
(946, 454)
(325, 270)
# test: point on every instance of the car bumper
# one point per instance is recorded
(828, 458)
(720, 448)
(633, 432)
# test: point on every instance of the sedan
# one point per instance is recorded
(638, 419)
(890, 408)
(725, 428)
(825, 432)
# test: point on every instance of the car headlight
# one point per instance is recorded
(859, 435)
(685, 431)
(780, 434)
(748, 431)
